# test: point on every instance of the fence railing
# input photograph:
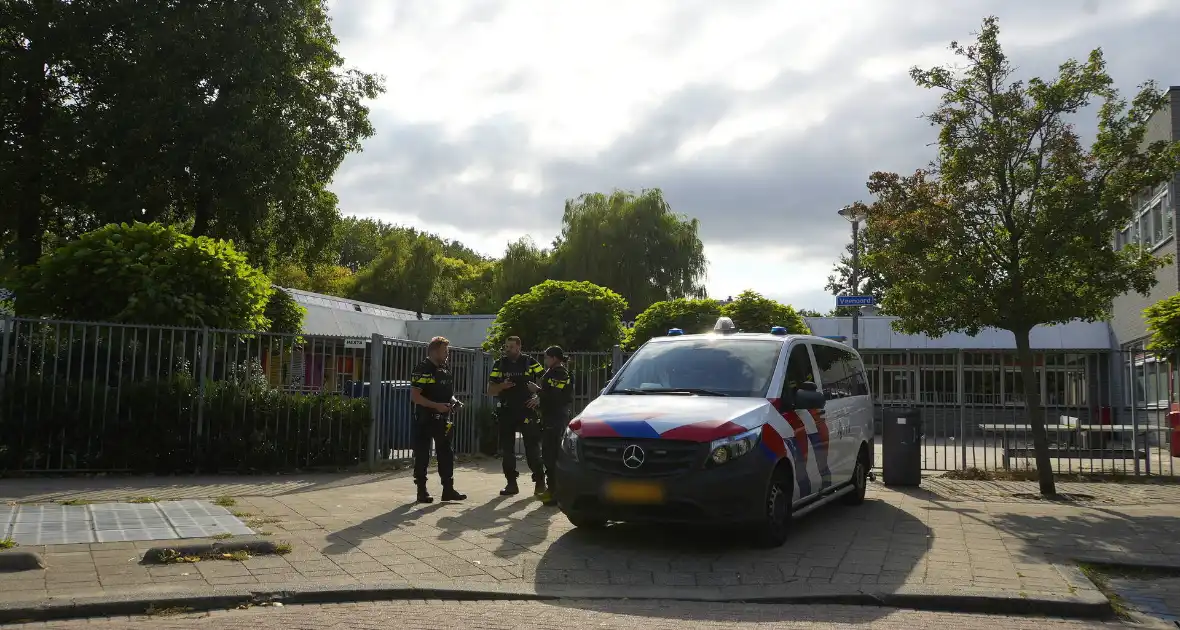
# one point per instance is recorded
(82, 396)
(1105, 412)
(100, 397)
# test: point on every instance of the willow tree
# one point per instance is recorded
(1012, 225)
(632, 243)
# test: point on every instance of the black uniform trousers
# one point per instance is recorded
(431, 427)
(511, 421)
(554, 421)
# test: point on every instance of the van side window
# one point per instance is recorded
(856, 374)
(798, 371)
(832, 371)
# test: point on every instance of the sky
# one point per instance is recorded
(760, 118)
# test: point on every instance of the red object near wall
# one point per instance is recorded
(1104, 415)
(1174, 422)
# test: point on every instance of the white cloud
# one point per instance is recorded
(760, 117)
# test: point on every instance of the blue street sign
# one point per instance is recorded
(855, 300)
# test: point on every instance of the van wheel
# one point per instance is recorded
(777, 518)
(585, 521)
(860, 480)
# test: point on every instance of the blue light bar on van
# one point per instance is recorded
(835, 337)
(778, 330)
(672, 332)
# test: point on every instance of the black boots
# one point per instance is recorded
(450, 494)
(511, 489)
(423, 495)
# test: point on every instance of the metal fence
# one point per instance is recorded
(1105, 412)
(100, 397)
(78, 396)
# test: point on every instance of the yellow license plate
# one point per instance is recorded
(634, 492)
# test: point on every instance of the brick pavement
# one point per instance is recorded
(567, 614)
(365, 529)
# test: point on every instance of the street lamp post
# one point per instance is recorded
(854, 216)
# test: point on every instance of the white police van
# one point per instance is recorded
(723, 428)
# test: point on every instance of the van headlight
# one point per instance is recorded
(728, 449)
(569, 443)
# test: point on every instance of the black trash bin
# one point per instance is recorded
(901, 438)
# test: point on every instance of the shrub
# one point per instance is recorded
(574, 315)
(691, 316)
(751, 312)
(148, 274)
(283, 313)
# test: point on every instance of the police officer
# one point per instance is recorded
(433, 396)
(515, 411)
(556, 397)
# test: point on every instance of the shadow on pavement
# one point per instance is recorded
(875, 544)
(1098, 533)
(519, 533)
(346, 539)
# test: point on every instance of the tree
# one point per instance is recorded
(1012, 225)
(229, 117)
(148, 274)
(840, 280)
(691, 316)
(632, 243)
(751, 312)
(283, 313)
(1163, 322)
(573, 315)
(807, 312)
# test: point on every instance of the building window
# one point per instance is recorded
(937, 382)
(1065, 380)
(1152, 220)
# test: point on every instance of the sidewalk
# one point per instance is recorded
(949, 536)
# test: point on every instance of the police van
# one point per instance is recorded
(725, 428)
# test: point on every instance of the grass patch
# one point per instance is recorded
(144, 500)
(1030, 474)
(7, 543)
(74, 502)
(266, 533)
(283, 548)
(1102, 583)
(225, 502)
(222, 536)
(255, 521)
(242, 515)
(170, 611)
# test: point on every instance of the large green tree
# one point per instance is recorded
(1012, 225)
(227, 117)
(633, 243)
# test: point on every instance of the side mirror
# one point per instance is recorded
(809, 399)
(808, 386)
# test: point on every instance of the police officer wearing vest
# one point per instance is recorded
(433, 396)
(556, 397)
(516, 411)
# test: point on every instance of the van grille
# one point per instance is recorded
(660, 457)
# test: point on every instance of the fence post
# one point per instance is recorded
(7, 329)
(616, 359)
(202, 372)
(376, 350)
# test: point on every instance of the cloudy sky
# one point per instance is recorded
(758, 117)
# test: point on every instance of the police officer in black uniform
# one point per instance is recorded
(515, 411)
(556, 397)
(433, 395)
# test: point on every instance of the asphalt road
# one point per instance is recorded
(565, 615)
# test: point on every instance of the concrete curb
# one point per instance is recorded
(1130, 562)
(13, 560)
(159, 555)
(1084, 605)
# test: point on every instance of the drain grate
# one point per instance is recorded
(116, 522)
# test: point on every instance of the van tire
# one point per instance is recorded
(780, 493)
(860, 479)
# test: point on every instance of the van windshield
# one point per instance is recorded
(718, 366)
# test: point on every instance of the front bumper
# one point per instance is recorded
(729, 494)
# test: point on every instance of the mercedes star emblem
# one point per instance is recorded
(633, 456)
